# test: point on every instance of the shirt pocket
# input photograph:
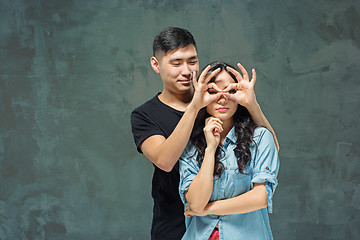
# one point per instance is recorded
(238, 183)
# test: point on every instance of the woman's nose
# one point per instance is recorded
(223, 98)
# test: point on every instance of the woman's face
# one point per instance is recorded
(223, 108)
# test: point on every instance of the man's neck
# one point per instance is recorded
(176, 101)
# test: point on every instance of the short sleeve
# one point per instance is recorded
(265, 163)
(142, 127)
(188, 168)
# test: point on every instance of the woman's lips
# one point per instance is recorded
(222, 109)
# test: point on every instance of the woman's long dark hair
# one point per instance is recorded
(244, 129)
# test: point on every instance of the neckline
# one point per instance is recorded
(174, 109)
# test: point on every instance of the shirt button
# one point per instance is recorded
(225, 168)
(267, 168)
(227, 140)
(218, 217)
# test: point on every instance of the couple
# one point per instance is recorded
(227, 172)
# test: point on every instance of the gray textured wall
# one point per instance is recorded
(72, 71)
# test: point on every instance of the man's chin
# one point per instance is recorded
(185, 83)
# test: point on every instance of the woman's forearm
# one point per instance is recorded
(201, 187)
(250, 201)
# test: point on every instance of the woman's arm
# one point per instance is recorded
(201, 187)
(252, 200)
(264, 180)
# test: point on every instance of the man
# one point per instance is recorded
(162, 126)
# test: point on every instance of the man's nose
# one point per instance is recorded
(185, 70)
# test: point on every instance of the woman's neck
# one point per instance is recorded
(227, 126)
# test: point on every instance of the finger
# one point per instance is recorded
(194, 80)
(253, 79)
(225, 95)
(232, 97)
(212, 119)
(244, 72)
(216, 127)
(211, 75)
(213, 97)
(216, 133)
(213, 127)
(231, 87)
(203, 74)
(207, 120)
(214, 86)
(235, 73)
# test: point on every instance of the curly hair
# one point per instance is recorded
(244, 129)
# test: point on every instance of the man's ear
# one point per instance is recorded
(155, 64)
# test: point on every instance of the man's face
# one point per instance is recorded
(176, 67)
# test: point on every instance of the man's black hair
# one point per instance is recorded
(172, 38)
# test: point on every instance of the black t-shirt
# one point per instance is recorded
(156, 118)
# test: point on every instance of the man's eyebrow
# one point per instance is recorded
(193, 57)
(175, 59)
(181, 59)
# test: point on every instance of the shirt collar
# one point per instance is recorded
(231, 135)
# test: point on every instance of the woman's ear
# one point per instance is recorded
(155, 64)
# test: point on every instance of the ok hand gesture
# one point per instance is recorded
(201, 96)
(243, 90)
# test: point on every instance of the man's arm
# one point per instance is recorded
(245, 96)
(165, 152)
(260, 119)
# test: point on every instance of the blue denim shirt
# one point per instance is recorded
(263, 167)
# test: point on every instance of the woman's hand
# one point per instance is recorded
(189, 212)
(242, 92)
(201, 96)
(213, 128)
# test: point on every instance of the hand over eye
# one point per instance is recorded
(213, 91)
(232, 91)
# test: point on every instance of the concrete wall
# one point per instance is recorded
(72, 71)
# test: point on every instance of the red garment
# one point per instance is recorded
(214, 235)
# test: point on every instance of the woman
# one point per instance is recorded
(229, 168)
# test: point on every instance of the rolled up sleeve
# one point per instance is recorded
(266, 164)
(189, 168)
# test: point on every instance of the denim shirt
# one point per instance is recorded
(263, 167)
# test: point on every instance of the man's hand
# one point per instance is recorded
(242, 92)
(201, 96)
